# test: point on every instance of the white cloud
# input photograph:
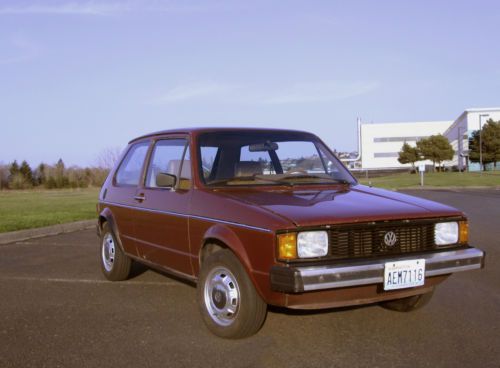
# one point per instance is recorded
(67, 8)
(313, 92)
(319, 92)
(104, 8)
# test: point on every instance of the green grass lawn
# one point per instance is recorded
(26, 209)
(445, 179)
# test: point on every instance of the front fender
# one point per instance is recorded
(220, 233)
(227, 236)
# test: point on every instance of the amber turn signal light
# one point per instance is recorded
(463, 232)
(287, 246)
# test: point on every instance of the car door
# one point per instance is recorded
(120, 197)
(162, 224)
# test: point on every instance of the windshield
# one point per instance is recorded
(267, 158)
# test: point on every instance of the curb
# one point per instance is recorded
(16, 236)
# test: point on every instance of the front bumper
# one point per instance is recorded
(290, 279)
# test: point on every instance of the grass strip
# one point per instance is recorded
(436, 179)
(27, 209)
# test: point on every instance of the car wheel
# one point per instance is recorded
(115, 265)
(229, 304)
(408, 304)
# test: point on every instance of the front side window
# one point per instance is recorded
(170, 156)
(267, 158)
(129, 172)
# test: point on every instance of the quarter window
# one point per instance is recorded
(208, 155)
(129, 172)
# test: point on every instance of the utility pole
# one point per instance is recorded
(459, 151)
(481, 143)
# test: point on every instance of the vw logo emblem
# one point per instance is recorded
(218, 296)
(390, 238)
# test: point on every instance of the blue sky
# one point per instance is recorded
(77, 77)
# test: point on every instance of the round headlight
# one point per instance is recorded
(446, 233)
(311, 244)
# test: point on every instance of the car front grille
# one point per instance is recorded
(367, 240)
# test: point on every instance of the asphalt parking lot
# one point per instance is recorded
(58, 311)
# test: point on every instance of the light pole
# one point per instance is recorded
(481, 143)
(459, 151)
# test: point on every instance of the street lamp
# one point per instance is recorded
(481, 143)
(459, 150)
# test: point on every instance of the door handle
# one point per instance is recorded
(140, 197)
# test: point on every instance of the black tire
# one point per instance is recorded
(408, 304)
(229, 304)
(115, 264)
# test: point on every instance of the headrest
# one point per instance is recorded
(173, 168)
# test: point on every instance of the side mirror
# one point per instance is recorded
(164, 180)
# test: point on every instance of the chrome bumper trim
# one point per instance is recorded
(300, 279)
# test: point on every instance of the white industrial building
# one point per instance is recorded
(380, 143)
(469, 121)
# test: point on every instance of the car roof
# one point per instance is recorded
(200, 130)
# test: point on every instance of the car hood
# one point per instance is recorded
(359, 203)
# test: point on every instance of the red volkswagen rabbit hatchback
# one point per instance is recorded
(261, 217)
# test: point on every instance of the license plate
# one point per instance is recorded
(404, 274)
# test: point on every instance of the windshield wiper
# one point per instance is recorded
(236, 179)
(286, 179)
(304, 176)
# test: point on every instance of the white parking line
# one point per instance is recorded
(88, 281)
(39, 244)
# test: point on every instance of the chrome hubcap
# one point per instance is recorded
(108, 252)
(222, 296)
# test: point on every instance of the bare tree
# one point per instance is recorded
(108, 157)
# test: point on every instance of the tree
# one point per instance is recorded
(108, 157)
(16, 178)
(4, 176)
(435, 148)
(50, 183)
(18, 181)
(490, 138)
(474, 155)
(409, 155)
(61, 179)
(14, 168)
(40, 175)
(26, 172)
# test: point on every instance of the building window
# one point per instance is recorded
(385, 154)
(397, 139)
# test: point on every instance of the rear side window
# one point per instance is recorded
(129, 172)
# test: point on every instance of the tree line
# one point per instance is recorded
(22, 176)
(437, 148)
